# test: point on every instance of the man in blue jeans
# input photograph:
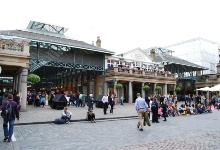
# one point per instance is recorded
(8, 132)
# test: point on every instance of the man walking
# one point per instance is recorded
(15, 113)
(141, 107)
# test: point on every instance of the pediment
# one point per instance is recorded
(138, 55)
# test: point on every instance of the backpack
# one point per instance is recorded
(7, 113)
(59, 121)
(153, 105)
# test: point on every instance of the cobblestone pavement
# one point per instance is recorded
(199, 132)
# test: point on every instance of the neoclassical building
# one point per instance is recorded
(14, 63)
(134, 69)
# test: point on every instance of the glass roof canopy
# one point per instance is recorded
(46, 27)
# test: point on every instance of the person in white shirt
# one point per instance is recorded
(105, 102)
(66, 115)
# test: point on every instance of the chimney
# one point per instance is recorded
(92, 42)
(98, 42)
(152, 53)
(218, 68)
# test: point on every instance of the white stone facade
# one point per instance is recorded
(199, 51)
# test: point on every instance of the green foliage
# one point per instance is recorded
(146, 88)
(178, 89)
(119, 86)
(33, 78)
(158, 88)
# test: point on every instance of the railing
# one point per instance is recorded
(136, 72)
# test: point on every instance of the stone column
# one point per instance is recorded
(130, 96)
(174, 89)
(23, 88)
(19, 82)
(106, 87)
(142, 91)
(154, 91)
(115, 89)
(207, 94)
(14, 83)
(197, 92)
(165, 89)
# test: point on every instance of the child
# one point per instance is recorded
(159, 112)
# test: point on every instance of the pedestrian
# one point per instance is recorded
(84, 100)
(16, 98)
(77, 99)
(112, 102)
(151, 101)
(154, 109)
(8, 132)
(105, 102)
(71, 98)
(90, 102)
(122, 100)
(141, 107)
(164, 110)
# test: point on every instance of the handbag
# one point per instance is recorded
(146, 119)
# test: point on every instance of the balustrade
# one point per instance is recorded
(139, 72)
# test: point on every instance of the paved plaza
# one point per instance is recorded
(199, 132)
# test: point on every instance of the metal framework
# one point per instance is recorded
(46, 27)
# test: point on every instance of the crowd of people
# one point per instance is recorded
(159, 106)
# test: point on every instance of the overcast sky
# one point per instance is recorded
(123, 25)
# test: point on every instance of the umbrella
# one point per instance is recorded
(204, 89)
(215, 88)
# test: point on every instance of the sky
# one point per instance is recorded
(122, 25)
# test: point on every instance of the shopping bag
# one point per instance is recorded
(146, 119)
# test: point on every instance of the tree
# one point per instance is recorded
(33, 78)
(146, 88)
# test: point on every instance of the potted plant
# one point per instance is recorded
(119, 86)
(178, 89)
(33, 78)
(146, 88)
(158, 88)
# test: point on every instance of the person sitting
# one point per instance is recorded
(91, 116)
(66, 115)
(43, 99)
(37, 101)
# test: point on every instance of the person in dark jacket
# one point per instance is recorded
(17, 100)
(154, 109)
(90, 102)
(8, 132)
(164, 110)
(111, 101)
